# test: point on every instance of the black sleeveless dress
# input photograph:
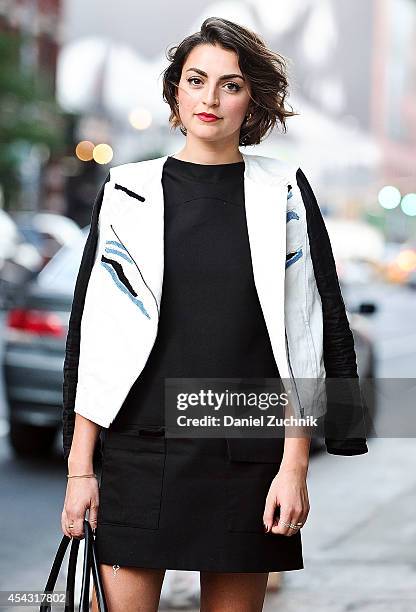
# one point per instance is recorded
(186, 503)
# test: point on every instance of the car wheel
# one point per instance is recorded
(31, 441)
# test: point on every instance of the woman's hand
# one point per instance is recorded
(289, 491)
(81, 493)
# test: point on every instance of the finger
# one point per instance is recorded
(77, 531)
(302, 519)
(292, 518)
(292, 530)
(64, 522)
(301, 516)
(280, 525)
(269, 511)
(93, 514)
(297, 517)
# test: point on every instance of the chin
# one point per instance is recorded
(202, 135)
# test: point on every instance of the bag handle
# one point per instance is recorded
(90, 563)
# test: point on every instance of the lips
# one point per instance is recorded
(207, 117)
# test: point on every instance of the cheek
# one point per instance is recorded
(235, 110)
(188, 99)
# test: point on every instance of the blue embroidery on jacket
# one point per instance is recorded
(297, 255)
(116, 243)
(291, 214)
(289, 192)
(123, 255)
(120, 285)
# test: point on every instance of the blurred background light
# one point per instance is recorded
(389, 197)
(103, 153)
(84, 150)
(140, 118)
(408, 204)
(406, 260)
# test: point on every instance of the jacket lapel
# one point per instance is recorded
(265, 202)
(140, 223)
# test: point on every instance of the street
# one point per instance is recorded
(359, 541)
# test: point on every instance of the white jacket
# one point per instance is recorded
(119, 326)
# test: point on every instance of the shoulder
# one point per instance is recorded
(270, 169)
(135, 175)
(278, 169)
(141, 167)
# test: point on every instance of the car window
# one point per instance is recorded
(32, 236)
(61, 271)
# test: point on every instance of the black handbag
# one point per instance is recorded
(90, 563)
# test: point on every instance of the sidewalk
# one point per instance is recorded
(359, 541)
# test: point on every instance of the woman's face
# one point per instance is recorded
(212, 82)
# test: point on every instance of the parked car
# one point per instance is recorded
(34, 348)
(8, 236)
(46, 231)
(38, 236)
(34, 351)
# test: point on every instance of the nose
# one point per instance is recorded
(211, 96)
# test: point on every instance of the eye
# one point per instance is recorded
(192, 79)
(237, 87)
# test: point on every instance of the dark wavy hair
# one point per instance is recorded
(265, 70)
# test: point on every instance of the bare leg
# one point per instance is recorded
(134, 589)
(233, 592)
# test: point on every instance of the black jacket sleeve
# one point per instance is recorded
(338, 343)
(70, 370)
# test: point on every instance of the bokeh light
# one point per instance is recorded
(408, 204)
(406, 260)
(389, 197)
(84, 150)
(103, 153)
(140, 118)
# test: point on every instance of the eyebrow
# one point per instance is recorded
(224, 76)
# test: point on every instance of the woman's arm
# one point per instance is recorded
(82, 494)
(288, 489)
(79, 433)
(70, 370)
(344, 400)
(80, 458)
(296, 454)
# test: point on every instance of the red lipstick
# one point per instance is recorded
(207, 117)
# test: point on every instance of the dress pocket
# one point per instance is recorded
(132, 477)
(247, 488)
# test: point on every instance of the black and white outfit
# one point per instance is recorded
(197, 503)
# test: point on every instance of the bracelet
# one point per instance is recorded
(83, 476)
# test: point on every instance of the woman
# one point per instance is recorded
(212, 224)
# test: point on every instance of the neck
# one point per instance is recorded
(208, 155)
